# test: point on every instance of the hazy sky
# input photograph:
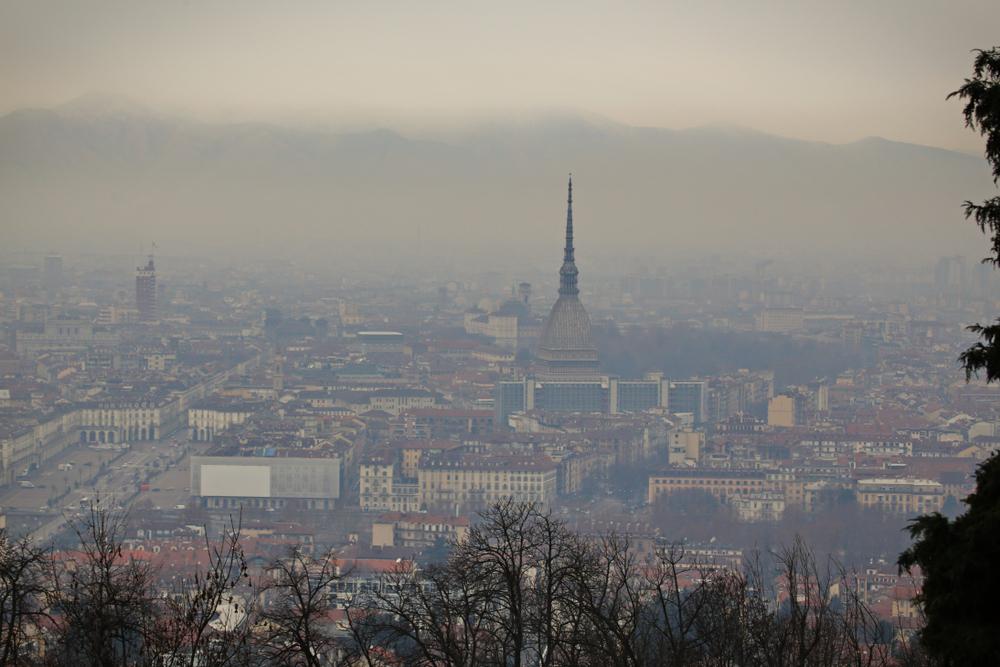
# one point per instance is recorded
(832, 70)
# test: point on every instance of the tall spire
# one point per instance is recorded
(568, 273)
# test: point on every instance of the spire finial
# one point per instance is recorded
(568, 272)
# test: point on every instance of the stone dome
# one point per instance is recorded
(566, 335)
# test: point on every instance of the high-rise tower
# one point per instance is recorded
(566, 348)
(145, 291)
(53, 275)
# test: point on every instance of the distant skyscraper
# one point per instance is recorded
(949, 275)
(53, 274)
(145, 291)
(566, 348)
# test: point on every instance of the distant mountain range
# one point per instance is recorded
(99, 175)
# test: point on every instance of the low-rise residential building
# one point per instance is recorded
(759, 506)
(467, 482)
(395, 401)
(684, 446)
(120, 421)
(260, 482)
(418, 530)
(721, 483)
(901, 496)
(208, 419)
(381, 489)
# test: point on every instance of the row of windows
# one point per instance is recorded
(486, 487)
(708, 482)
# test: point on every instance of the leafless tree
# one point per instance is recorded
(435, 617)
(207, 621)
(524, 590)
(553, 617)
(103, 601)
(499, 549)
(296, 627)
(611, 593)
(24, 589)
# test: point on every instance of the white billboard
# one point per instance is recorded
(236, 481)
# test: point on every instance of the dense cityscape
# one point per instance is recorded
(373, 422)
(456, 334)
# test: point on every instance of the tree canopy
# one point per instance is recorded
(961, 582)
(981, 94)
(959, 557)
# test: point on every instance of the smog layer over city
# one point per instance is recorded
(500, 334)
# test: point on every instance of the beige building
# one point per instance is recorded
(395, 401)
(410, 452)
(417, 530)
(33, 444)
(780, 320)
(901, 496)
(721, 483)
(382, 491)
(684, 447)
(781, 411)
(208, 421)
(350, 315)
(461, 483)
(762, 506)
(117, 422)
(575, 468)
(511, 326)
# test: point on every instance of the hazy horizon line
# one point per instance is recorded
(428, 126)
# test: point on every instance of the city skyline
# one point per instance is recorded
(526, 334)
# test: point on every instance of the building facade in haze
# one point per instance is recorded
(145, 291)
(262, 482)
(567, 377)
(53, 275)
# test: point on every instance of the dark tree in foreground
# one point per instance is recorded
(24, 589)
(981, 94)
(524, 590)
(959, 557)
(102, 599)
(961, 582)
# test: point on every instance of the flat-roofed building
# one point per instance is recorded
(721, 483)
(395, 401)
(445, 422)
(684, 446)
(265, 482)
(762, 506)
(60, 336)
(781, 411)
(382, 488)
(599, 394)
(417, 530)
(372, 341)
(780, 320)
(901, 496)
(121, 421)
(210, 418)
(466, 482)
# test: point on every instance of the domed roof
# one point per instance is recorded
(565, 347)
(513, 308)
(567, 332)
